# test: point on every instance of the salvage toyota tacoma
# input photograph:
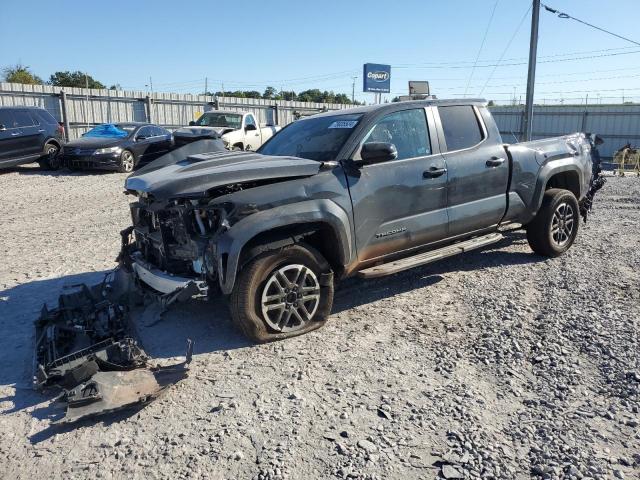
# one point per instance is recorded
(369, 191)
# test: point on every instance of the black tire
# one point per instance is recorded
(256, 280)
(127, 162)
(237, 148)
(51, 159)
(554, 228)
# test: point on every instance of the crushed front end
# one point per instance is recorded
(171, 247)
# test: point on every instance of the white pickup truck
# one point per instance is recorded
(237, 130)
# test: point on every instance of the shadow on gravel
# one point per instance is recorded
(162, 337)
(63, 172)
(52, 413)
(355, 291)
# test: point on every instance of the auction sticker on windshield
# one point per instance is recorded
(344, 124)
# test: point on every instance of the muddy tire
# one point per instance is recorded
(554, 228)
(282, 293)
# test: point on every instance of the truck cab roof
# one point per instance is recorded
(410, 103)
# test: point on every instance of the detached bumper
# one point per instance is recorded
(169, 288)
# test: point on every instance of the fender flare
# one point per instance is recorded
(547, 171)
(230, 244)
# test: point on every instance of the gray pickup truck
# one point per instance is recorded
(368, 191)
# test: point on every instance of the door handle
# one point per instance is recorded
(434, 172)
(13, 134)
(495, 162)
(41, 130)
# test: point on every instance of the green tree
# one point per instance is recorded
(269, 93)
(21, 74)
(285, 95)
(74, 79)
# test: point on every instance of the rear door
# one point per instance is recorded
(478, 170)
(400, 204)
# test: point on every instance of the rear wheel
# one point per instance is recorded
(554, 228)
(50, 160)
(127, 162)
(282, 293)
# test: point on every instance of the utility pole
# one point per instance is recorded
(531, 77)
(206, 87)
(151, 85)
(86, 103)
(353, 90)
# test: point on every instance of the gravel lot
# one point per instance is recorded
(498, 364)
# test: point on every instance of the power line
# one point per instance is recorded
(504, 52)
(566, 15)
(484, 38)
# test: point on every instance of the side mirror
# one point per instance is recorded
(250, 127)
(2, 127)
(192, 123)
(378, 152)
(141, 137)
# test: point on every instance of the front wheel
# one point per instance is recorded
(127, 162)
(555, 226)
(282, 293)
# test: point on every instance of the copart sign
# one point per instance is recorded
(376, 78)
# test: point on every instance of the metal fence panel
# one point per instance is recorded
(88, 107)
(616, 124)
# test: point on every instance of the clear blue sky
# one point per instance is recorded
(304, 44)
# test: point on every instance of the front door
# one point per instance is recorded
(478, 169)
(31, 139)
(399, 204)
(9, 136)
(252, 140)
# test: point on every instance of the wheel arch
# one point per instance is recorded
(321, 224)
(563, 174)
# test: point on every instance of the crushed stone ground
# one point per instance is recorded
(496, 364)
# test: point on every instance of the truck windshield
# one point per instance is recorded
(319, 138)
(220, 120)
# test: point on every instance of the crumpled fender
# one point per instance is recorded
(230, 244)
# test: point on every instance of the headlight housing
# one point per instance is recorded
(100, 151)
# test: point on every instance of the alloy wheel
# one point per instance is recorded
(290, 298)
(127, 161)
(562, 224)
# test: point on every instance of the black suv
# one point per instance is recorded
(29, 134)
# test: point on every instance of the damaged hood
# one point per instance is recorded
(213, 132)
(196, 174)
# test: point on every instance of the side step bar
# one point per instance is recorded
(429, 257)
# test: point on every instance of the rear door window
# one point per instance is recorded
(461, 127)
(22, 119)
(44, 117)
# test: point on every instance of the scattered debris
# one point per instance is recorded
(84, 348)
(110, 391)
